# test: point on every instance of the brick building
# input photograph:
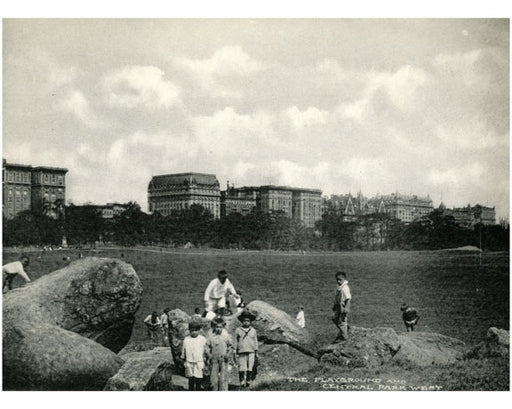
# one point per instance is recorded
(407, 208)
(26, 188)
(300, 204)
(470, 215)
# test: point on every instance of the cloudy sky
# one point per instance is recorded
(404, 105)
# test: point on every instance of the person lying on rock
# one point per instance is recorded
(153, 325)
(246, 347)
(341, 307)
(219, 351)
(409, 316)
(193, 356)
(11, 270)
(216, 292)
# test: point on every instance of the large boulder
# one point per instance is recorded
(425, 349)
(45, 357)
(280, 361)
(495, 345)
(275, 326)
(498, 336)
(366, 347)
(61, 331)
(373, 347)
(144, 371)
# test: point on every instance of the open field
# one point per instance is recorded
(453, 293)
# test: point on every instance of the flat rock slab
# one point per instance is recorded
(142, 371)
(280, 361)
(373, 347)
(425, 349)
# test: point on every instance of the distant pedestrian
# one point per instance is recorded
(219, 351)
(10, 270)
(341, 307)
(153, 325)
(193, 356)
(164, 322)
(217, 291)
(246, 348)
(301, 320)
(409, 316)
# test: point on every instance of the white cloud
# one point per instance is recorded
(331, 70)
(400, 85)
(471, 134)
(310, 117)
(226, 132)
(241, 169)
(457, 177)
(460, 65)
(229, 61)
(77, 104)
(61, 75)
(355, 110)
(141, 86)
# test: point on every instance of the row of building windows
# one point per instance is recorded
(18, 176)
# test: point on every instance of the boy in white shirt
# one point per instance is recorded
(193, 356)
(216, 292)
(10, 270)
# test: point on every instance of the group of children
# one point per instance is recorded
(210, 357)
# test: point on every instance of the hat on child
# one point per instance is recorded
(194, 325)
(404, 307)
(246, 314)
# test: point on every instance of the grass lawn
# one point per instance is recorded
(454, 294)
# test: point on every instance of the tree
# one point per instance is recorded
(130, 226)
(83, 224)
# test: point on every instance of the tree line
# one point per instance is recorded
(196, 226)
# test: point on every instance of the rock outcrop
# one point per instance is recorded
(495, 345)
(280, 361)
(61, 332)
(372, 347)
(366, 347)
(144, 371)
(275, 326)
(425, 349)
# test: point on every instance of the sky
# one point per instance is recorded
(414, 106)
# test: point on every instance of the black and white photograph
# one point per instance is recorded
(255, 204)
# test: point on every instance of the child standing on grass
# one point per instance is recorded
(246, 347)
(219, 350)
(409, 316)
(164, 321)
(301, 320)
(193, 356)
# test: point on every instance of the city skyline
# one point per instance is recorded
(379, 106)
